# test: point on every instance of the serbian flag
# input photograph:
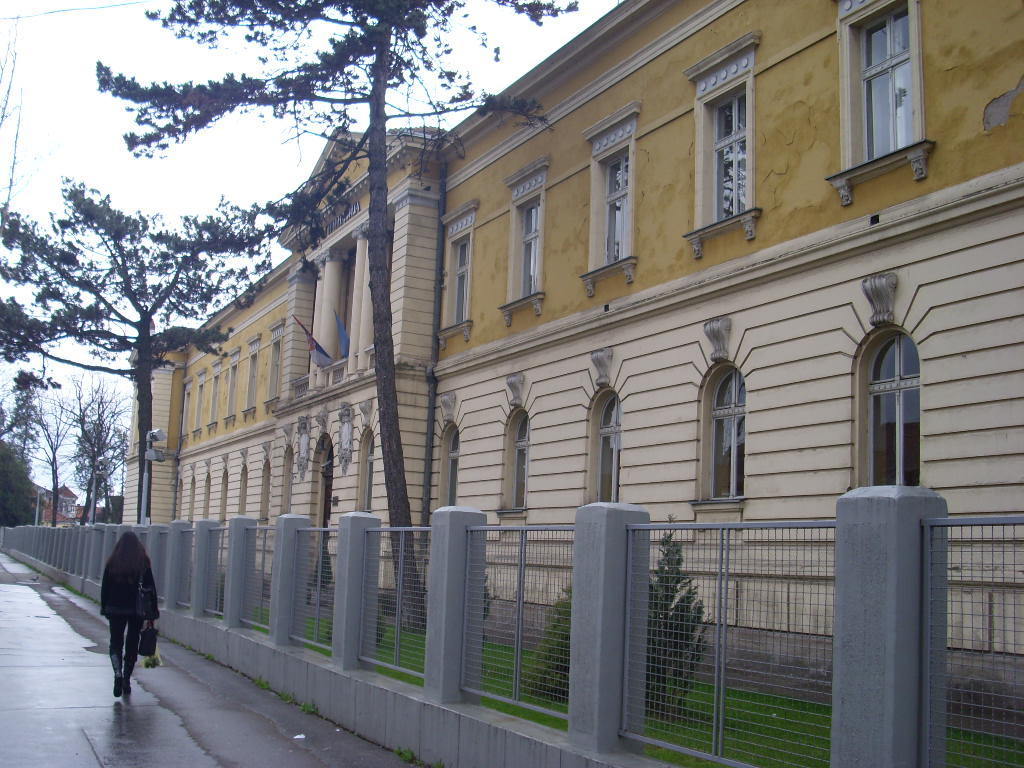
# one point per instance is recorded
(343, 341)
(316, 352)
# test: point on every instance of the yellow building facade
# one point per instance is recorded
(750, 260)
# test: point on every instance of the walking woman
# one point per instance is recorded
(127, 570)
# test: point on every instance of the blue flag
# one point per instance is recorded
(343, 340)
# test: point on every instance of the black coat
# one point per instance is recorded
(118, 596)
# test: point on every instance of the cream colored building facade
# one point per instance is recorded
(753, 260)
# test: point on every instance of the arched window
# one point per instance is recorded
(243, 489)
(207, 512)
(367, 450)
(609, 448)
(223, 514)
(520, 459)
(265, 492)
(192, 501)
(450, 480)
(179, 501)
(728, 436)
(894, 395)
(286, 480)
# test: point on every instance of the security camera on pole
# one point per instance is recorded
(152, 454)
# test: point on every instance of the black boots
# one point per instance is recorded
(115, 662)
(126, 681)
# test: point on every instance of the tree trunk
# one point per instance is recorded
(144, 403)
(56, 496)
(379, 260)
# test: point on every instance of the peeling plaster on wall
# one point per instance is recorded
(997, 111)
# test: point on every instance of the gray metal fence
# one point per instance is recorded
(974, 634)
(519, 615)
(184, 598)
(313, 604)
(729, 646)
(394, 616)
(216, 571)
(259, 559)
(157, 548)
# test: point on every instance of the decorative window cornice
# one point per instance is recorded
(529, 178)
(613, 130)
(914, 155)
(277, 331)
(254, 345)
(724, 65)
(461, 218)
(745, 219)
(536, 300)
(454, 330)
(625, 266)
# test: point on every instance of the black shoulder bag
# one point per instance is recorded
(145, 601)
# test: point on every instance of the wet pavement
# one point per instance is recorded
(57, 708)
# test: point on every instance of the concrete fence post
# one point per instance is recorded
(234, 583)
(201, 541)
(176, 553)
(81, 547)
(156, 546)
(282, 579)
(96, 561)
(597, 644)
(348, 587)
(877, 658)
(109, 539)
(446, 600)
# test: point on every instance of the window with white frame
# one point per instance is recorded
(233, 384)
(723, 119)
(730, 116)
(894, 392)
(518, 460)
(199, 401)
(728, 436)
(882, 89)
(525, 263)
(185, 406)
(609, 449)
(215, 395)
(613, 152)
(460, 281)
(250, 393)
(529, 223)
(243, 489)
(366, 447)
(274, 374)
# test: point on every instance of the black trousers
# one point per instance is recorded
(128, 641)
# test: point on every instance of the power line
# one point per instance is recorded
(72, 10)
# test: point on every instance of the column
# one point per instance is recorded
(877, 649)
(355, 318)
(597, 645)
(157, 550)
(234, 584)
(295, 352)
(365, 313)
(282, 580)
(349, 588)
(327, 334)
(446, 599)
(201, 566)
(174, 562)
(313, 321)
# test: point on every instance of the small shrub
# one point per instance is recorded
(546, 675)
(262, 684)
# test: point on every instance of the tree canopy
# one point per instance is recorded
(110, 290)
(340, 69)
(17, 493)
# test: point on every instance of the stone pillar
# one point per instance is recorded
(157, 549)
(877, 647)
(110, 534)
(282, 580)
(333, 271)
(201, 565)
(349, 591)
(597, 645)
(234, 585)
(175, 561)
(365, 314)
(295, 351)
(446, 599)
(356, 316)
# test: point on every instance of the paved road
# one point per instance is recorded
(57, 710)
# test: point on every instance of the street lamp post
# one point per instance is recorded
(152, 454)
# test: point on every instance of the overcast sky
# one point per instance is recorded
(69, 129)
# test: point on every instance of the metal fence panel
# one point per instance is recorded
(184, 599)
(729, 641)
(394, 613)
(259, 559)
(216, 571)
(975, 641)
(519, 615)
(313, 602)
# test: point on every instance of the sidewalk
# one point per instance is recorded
(57, 708)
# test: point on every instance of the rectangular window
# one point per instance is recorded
(214, 398)
(233, 386)
(250, 395)
(461, 282)
(886, 77)
(616, 206)
(185, 410)
(275, 370)
(530, 218)
(199, 406)
(730, 150)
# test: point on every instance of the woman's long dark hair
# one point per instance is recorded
(129, 560)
